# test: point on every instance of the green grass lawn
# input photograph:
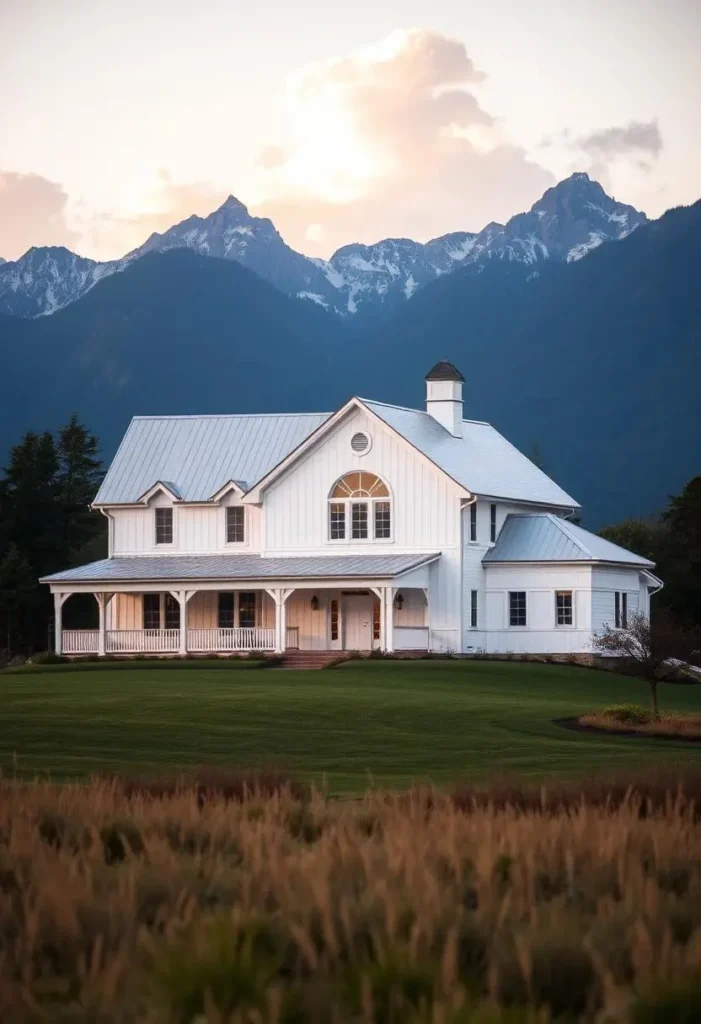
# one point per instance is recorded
(389, 723)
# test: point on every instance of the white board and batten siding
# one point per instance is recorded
(197, 529)
(541, 635)
(605, 583)
(425, 511)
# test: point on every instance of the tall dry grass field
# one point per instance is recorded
(129, 905)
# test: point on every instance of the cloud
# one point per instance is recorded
(158, 203)
(635, 139)
(392, 140)
(32, 212)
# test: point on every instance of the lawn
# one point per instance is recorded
(385, 723)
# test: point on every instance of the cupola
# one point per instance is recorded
(444, 396)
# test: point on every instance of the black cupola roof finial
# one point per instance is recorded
(444, 370)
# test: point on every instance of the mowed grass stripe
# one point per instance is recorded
(394, 722)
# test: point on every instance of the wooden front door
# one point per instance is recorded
(357, 622)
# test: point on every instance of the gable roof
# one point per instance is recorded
(482, 460)
(544, 537)
(200, 454)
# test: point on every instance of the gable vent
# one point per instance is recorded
(360, 443)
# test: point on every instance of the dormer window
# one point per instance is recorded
(359, 508)
(235, 524)
(164, 526)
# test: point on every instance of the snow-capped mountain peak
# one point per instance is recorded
(568, 221)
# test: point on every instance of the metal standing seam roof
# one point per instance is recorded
(544, 537)
(482, 460)
(239, 567)
(200, 454)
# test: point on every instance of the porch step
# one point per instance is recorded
(310, 659)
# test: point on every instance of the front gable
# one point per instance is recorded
(425, 501)
(325, 434)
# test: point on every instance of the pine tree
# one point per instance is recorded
(18, 600)
(77, 480)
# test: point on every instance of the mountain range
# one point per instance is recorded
(589, 355)
(568, 221)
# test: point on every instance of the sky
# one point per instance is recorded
(341, 123)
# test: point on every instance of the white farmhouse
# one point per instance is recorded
(374, 526)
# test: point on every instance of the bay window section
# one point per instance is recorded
(172, 612)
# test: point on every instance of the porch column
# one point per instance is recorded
(389, 619)
(183, 598)
(280, 599)
(59, 601)
(102, 627)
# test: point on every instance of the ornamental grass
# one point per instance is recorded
(232, 902)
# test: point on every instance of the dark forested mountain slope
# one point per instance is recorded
(597, 362)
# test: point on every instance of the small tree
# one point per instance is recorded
(650, 649)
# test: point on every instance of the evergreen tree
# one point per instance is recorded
(682, 551)
(18, 600)
(45, 525)
(77, 479)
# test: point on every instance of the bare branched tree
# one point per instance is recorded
(652, 649)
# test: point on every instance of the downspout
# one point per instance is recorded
(464, 503)
(110, 530)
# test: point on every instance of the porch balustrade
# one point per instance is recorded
(167, 641)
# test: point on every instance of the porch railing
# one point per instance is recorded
(237, 638)
(141, 641)
(79, 641)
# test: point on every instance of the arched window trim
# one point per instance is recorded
(360, 509)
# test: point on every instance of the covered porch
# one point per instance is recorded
(322, 612)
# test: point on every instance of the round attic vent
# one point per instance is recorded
(360, 443)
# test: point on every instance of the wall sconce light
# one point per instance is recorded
(315, 603)
(399, 601)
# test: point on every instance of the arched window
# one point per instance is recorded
(359, 508)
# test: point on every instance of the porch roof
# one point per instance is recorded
(232, 568)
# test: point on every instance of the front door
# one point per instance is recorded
(357, 622)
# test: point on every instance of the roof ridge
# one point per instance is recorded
(224, 415)
(563, 526)
(409, 408)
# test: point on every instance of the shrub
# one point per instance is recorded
(46, 658)
(631, 713)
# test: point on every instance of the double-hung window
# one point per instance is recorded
(247, 609)
(563, 608)
(164, 526)
(152, 611)
(337, 520)
(235, 524)
(360, 508)
(359, 520)
(492, 523)
(517, 608)
(172, 612)
(473, 522)
(620, 601)
(225, 610)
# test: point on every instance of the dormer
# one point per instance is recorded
(444, 396)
